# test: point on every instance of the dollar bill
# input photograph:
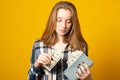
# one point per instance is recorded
(56, 56)
(72, 57)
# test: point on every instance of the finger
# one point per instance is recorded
(80, 72)
(47, 55)
(86, 67)
(87, 70)
(79, 76)
(42, 62)
(50, 54)
(44, 59)
(83, 70)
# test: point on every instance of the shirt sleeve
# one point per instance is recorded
(33, 71)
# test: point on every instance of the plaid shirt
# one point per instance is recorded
(40, 73)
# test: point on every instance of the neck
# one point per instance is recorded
(60, 45)
(60, 39)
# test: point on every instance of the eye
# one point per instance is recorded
(68, 21)
(59, 20)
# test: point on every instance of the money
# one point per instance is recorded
(56, 56)
(73, 57)
(76, 58)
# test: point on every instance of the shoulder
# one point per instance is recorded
(38, 43)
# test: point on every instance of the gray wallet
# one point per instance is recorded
(74, 60)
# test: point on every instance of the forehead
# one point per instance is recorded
(64, 13)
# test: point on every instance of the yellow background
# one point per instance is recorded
(23, 21)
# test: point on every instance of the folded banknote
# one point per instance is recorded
(56, 56)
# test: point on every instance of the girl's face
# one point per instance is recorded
(64, 22)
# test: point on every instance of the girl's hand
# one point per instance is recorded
(83, 72)
(43, 59)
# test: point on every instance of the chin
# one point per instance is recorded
(61, 34)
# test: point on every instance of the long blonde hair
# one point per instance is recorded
(74, 37)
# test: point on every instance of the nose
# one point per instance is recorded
(63, 24)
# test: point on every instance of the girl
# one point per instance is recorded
(62, 33)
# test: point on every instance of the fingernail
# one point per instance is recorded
(51, 58)
(83, 62)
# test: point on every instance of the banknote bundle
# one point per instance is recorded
(73, 57)
(56, 56)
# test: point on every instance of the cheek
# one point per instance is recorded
(57, 28)
(69, 26)
(57, 25)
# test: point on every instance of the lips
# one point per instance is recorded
(62, 31)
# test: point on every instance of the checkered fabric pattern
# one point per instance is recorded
(40, 73)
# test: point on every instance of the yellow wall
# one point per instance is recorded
(23, 21)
